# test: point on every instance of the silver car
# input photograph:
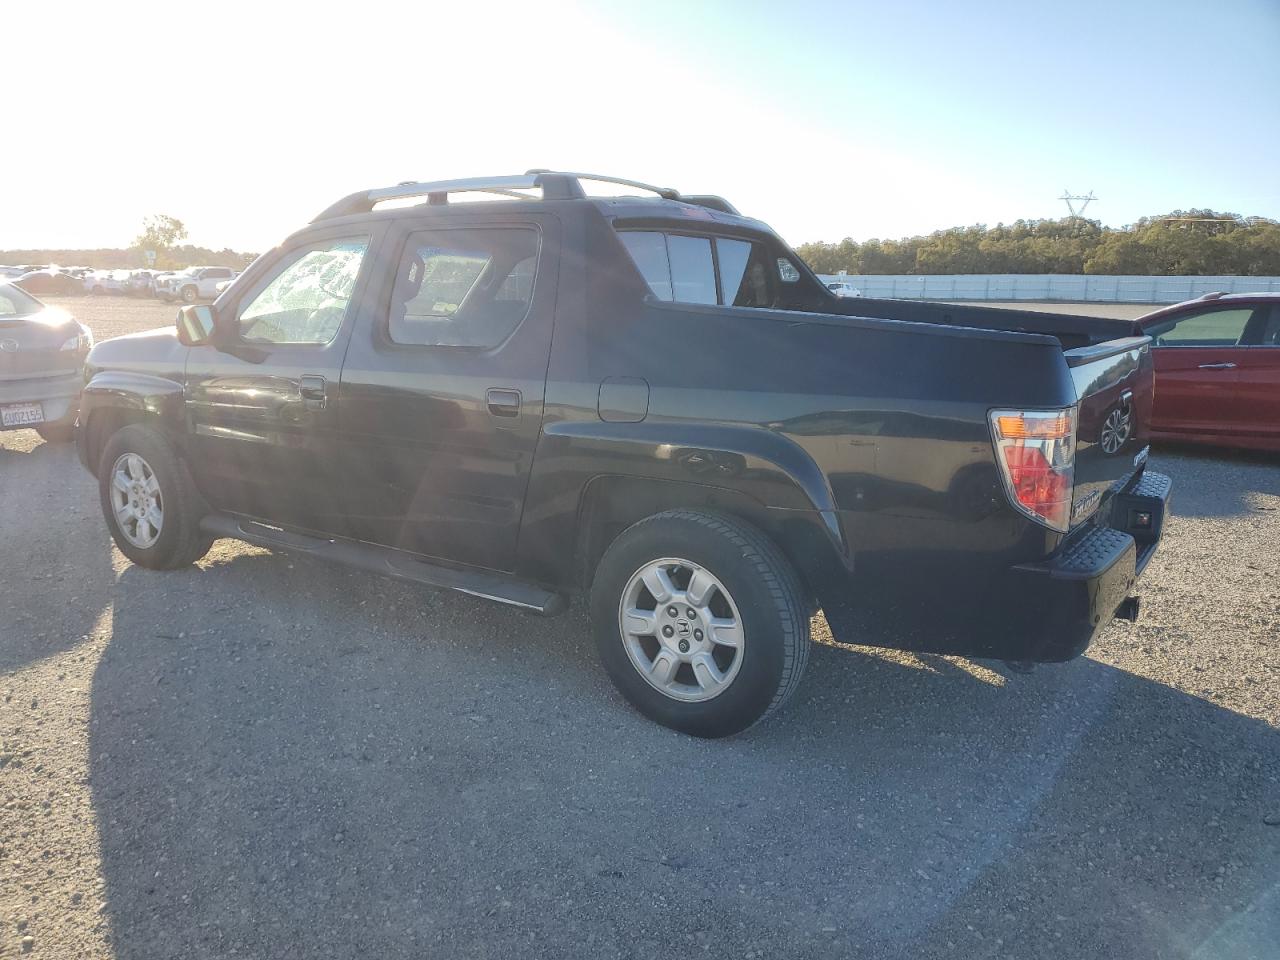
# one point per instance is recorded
(42, 351)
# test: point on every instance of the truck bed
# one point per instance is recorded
(1071, 330)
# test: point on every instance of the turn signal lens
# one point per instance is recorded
(1021, 426)
(1036, 453)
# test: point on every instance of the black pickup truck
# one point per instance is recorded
(652, 400)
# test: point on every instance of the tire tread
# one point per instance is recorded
(778, 578)
(182, 497)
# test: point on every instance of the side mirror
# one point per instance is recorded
(196, 324)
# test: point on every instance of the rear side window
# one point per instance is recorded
(15, 303)
(1212, 328)
(463, 288)
(712, 270)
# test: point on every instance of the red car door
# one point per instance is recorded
(1258, 380)
(1197, 360)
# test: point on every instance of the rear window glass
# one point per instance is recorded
(683, 268)
(733, 255)
(693, 272)
(649, 251)
(15, 303)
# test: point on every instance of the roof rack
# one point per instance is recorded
(554, 184)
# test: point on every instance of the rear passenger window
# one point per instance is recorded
(1213, 328)
(463, 288)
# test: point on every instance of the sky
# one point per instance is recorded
(826, 120)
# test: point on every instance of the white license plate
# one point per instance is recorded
(21, 414)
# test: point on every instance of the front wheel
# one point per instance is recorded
(700, 622)
(189, 294)
(149, 501)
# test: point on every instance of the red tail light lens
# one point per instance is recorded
(1035, 450)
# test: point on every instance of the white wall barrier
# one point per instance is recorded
(1050, 286)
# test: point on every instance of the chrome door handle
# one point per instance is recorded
(503, 403)
(1217, 366)
(311, 387)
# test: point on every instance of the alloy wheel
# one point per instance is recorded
(136, 500)
(681, 629)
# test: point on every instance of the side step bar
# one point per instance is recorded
(392, 563)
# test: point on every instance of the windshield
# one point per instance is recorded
(15, 302)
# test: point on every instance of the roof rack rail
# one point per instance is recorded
(666, 193)
(554, 184)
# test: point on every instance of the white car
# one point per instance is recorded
(194, 283)
(106, 281)
(842, 288)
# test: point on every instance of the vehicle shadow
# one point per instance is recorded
(56, 560)
(1242, 480)
(290, 760)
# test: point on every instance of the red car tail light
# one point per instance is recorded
(1036, 451)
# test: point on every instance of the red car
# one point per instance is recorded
(1217, 365)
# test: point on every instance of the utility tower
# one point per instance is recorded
(1073, 199)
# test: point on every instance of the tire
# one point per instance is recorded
(190, 294)
(755, 586)
(97, 291)
(58, 431)
(179, 541)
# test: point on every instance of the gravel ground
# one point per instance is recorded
(269, 757)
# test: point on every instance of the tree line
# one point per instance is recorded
(1185, 242)
(160, 234)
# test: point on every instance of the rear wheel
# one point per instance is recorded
(149, 501)
(700, 622)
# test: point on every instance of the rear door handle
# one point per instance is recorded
(311, 387)
(503, 403)
(1217, 366)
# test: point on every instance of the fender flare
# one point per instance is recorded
(766, 468)
(138, 395)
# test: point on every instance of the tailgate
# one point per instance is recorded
(1114, 384)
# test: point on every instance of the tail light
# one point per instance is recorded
(1036, 451)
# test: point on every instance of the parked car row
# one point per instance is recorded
(189, 285)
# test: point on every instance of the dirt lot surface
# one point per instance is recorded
(268, 757)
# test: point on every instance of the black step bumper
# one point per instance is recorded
(1070, 596)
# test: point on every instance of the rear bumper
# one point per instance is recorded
(59, 396)
(1048, 610)
(1075, 593)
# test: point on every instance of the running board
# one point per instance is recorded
(392, 563)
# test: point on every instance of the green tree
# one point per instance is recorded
(1185, 242)
(161, 233)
